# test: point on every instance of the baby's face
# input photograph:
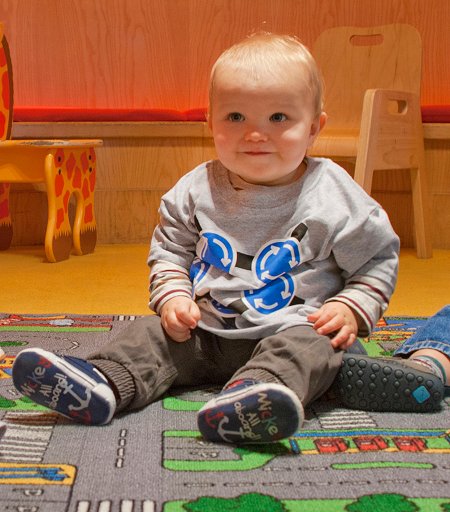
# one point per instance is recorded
(262, 127)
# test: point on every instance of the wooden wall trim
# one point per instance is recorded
(438, 131)
(110, 130)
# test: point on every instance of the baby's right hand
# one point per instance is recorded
(178, 316)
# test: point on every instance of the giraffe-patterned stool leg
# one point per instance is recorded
(6, 229)
(85, 228)
(70, 171)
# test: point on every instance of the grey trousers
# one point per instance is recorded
(142, 363)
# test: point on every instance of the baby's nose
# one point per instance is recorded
(256, 134)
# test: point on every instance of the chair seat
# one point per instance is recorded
(42, 143)
(22, 161)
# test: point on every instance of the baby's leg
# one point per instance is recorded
(136, 368)
(297, 357)
(413, 381)
(438, 362)
(263, 401)
(430, 345)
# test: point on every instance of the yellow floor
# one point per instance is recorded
(114, 280)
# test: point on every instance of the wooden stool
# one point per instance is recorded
(64, 167)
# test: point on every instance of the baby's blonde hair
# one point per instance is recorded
(274, 54)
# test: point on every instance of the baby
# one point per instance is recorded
(265, 267)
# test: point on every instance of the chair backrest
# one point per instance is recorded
(6, 88)
(354, 59)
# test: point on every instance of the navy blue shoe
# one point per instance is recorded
(387, 384)
(71, 386)
(251, 412)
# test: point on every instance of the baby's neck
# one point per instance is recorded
(239, 183)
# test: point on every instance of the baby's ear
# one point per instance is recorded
(317, 126)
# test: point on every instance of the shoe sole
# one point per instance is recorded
(101, 394)
(225, 419)
(372, 384)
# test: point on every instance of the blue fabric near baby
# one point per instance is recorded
(435, 334)
(437, 327)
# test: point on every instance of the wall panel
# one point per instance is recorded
(157, 53)
(134, 171)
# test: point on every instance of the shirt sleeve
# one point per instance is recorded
(172, 248)
(174, 238)
(370, 268)
(167, 280)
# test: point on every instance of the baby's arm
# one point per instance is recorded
(178, 316)
(171, 299)
(368, 259)
(338, 319)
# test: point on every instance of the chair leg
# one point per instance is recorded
(58, 237)
(85, 228)
(421, 211)
(70, 172)
(6, 229)
(421, 207)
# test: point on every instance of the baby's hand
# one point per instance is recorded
(336, 318)
(178, 316)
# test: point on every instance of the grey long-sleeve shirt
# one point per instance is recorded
(259, 259)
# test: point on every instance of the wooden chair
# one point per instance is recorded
(65, 167)
(372, 82)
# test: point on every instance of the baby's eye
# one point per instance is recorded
(278, 117)
(235, 117)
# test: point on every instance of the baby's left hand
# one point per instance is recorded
(336, 318)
